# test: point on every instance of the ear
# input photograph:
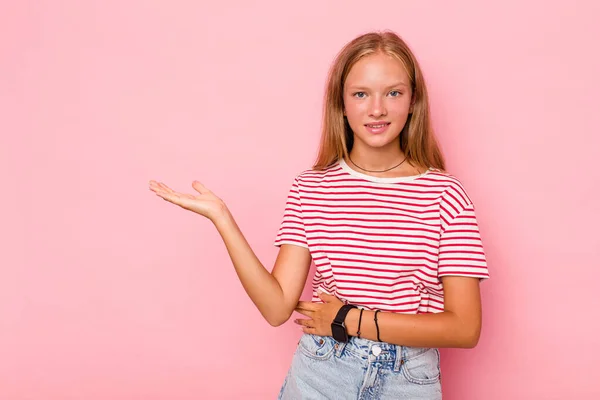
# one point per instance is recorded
(412, 104)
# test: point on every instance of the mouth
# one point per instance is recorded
(377, 127)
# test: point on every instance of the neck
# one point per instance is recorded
(377, 161)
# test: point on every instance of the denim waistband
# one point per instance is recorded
(374, 351)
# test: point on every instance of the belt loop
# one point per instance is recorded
(399, 358)
(339, 347)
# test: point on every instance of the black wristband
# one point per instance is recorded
(377, 326)
(338, 326)
(359, 319)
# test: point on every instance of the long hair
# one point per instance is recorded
(417, 139)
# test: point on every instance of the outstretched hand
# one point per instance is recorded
(321, 315)
(205, 203)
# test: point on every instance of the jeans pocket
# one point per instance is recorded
(316, 347)
(424, 368)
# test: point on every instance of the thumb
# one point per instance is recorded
(200, 188)
(325, 297)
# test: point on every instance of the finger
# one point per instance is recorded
(312, 331)
(306, 305)
(180, 196)
(165, 187)
(305, 312)
(200, 188)
(171, 198)
(305, 322)
(157, 186)
(153, 185)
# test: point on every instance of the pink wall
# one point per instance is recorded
(107, 292)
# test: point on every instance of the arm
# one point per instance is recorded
(459, 325)
(275, 294)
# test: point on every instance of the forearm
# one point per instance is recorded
(443, 329)
(262, 288)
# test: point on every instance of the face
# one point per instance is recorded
(377, 100)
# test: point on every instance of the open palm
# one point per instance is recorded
(204, 203)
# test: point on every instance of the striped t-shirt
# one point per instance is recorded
(384, 243)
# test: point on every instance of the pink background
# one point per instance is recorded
(108, 292)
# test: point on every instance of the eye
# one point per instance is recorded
(395, 93)
(360, 95)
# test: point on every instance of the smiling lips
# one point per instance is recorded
(377, 127)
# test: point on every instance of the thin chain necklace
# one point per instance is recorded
(368, 170)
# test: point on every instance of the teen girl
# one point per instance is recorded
(394, 239)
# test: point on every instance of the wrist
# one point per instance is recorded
(221, 216)
(352, 321)
(339, 327)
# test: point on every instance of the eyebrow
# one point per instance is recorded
(355, 87)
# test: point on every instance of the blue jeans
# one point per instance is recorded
(361, 369)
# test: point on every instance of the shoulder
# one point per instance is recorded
(312, 177)
(452, 189)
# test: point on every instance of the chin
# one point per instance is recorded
(376, 141)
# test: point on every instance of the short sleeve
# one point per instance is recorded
(461, 250)
(291, 230)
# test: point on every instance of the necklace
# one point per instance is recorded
(385, 170)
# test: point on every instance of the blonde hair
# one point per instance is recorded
(417, 139)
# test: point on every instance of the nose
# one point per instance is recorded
(377, 107)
